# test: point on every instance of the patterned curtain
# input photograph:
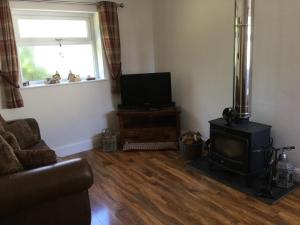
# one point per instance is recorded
(109, 25)
(9, 59)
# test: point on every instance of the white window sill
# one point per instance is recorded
(62, 84)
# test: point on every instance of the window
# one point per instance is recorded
(50, 42)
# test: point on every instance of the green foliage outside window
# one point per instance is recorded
(29, 69)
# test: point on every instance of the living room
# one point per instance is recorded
(194, 40)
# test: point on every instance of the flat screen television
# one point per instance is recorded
(151, 90)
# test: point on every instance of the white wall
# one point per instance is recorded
(194, 40)
(71, 115)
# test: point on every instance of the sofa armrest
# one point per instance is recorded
(29, 188)
(33, 125)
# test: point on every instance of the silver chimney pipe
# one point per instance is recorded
(243, 51)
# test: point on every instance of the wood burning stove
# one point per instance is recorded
(237, 144)
(239, 147)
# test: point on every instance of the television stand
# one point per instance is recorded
(146, 107)
(160, 125)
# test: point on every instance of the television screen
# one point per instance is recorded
(146, 90)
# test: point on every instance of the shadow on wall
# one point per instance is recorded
(192, 122)
(112, 121)
(112, 124)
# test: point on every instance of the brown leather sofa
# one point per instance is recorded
(51, 195)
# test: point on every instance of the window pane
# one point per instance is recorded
(39, 28)
(40, 62)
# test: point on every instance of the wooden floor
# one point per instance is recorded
(157, 188)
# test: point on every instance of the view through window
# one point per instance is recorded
(61, 42)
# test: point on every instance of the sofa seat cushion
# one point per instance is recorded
(9, 162)
(32, 159)
(23, 133)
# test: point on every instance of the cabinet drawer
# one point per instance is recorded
(149, 121)
(164, 134)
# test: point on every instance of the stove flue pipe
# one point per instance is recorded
(243, 51)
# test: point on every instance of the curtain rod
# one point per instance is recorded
(121, 5)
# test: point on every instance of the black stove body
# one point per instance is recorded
(239, 147)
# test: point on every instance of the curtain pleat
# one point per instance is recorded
(109, 25)
(9, 59)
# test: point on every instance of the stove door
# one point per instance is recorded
(230, 151)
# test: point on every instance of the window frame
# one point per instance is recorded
(91, 39)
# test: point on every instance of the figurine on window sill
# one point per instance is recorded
(54, 80)
(73, 78)
(56, 77)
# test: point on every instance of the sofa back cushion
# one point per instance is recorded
(2, 121)
(11, 139)
(23, 133)
(31, 159)
(2, 130)
(9, 162)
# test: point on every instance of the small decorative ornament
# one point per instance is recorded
(54, 80)
(47, 80)
(108, 140)
(77, 78)
(50, 81)
(26, 84)
(71, 77)
(56, 77)
(89, 77)
(285, 174)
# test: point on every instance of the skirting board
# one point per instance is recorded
(78, 147)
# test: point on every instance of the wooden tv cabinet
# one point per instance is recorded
(149, 126)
